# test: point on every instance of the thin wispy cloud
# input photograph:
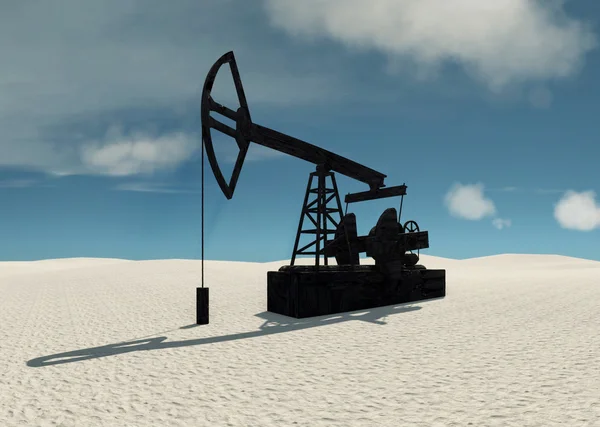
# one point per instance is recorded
(527, 190)
(549, 190)
(540, 97)
(501, 223)
(17, 183)
(508, 189)
(121, 155)
(146, 187)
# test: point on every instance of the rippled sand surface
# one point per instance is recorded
(87, 342)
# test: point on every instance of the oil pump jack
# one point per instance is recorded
(321, 289)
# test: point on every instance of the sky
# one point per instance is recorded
(488, 111)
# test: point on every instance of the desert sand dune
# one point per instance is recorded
(112, 343)
(528, 261)
(8, 268)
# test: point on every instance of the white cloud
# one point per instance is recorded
(578, 211)
(500, 41)
(468, 202)
(146, 187)
(123, 57)
(123, 155)
(501, 223)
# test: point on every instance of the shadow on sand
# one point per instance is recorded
(274, 324)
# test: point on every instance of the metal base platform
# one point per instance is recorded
(297, 291)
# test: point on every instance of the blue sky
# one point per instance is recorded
(488, 111)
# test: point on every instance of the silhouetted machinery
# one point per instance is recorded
(311, 290)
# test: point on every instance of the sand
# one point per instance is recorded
(87, 342)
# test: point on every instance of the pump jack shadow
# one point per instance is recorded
(274, 324)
